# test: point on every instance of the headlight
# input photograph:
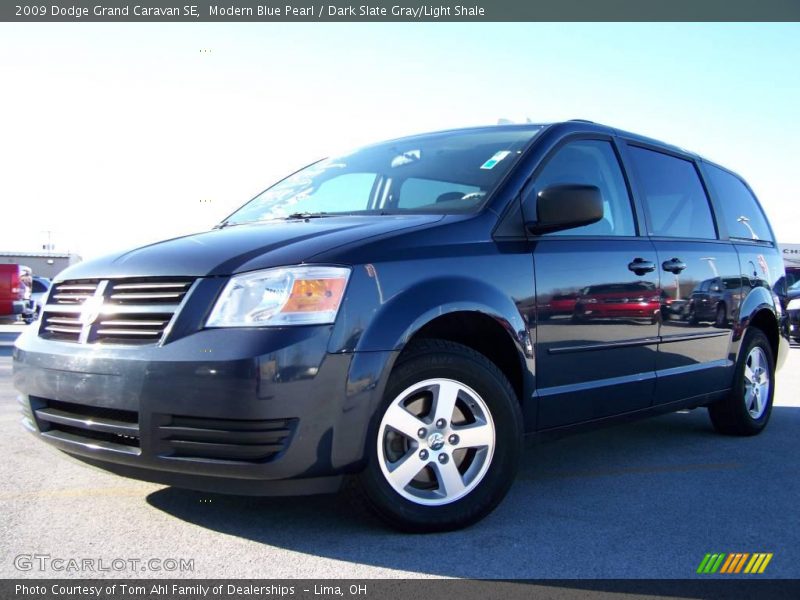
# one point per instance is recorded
(793, 304)
(285, 296)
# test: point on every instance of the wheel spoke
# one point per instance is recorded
(755, 361)
(474, 436)
(750, 398)
(406, 469)
(400, 419)
(749, 375)
(445, 401)
(450, 480)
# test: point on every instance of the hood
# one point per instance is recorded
(242, 248)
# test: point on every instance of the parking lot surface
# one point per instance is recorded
(646, 499)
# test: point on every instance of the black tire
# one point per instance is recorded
(430, 359)
(691, 316)
(731, 416)
(721, 316)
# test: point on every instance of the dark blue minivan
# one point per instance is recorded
(403, 316)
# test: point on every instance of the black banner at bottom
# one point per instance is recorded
(380, 589)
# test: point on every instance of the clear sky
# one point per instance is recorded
(116, 135)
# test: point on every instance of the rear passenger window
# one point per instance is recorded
(740, 211)
(674, 198)
(592, 162)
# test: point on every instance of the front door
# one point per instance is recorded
(598, 298)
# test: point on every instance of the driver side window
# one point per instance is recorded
(592, 162)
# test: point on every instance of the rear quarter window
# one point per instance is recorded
(741, 213)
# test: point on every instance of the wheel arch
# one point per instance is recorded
(432, 308)
(758, 310)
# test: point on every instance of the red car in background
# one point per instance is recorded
(636, 300)
(15, 291)
(558, 305)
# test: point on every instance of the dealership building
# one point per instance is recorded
(791, 254)
(44, 264)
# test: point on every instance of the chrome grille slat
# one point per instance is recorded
(129, 332)
(117, 309)
(121, 311)
(64, 321)
(143, 296)
(85, 287)
(116, 323)
(141, 286)
(59, 329)
(71, 296)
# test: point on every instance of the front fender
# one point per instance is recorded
(398, 319)
(394, 322)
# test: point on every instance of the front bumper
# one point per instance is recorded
(245, 411)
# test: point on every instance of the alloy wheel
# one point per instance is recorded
(436, 441)
(756, 383)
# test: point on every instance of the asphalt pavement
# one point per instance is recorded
(641, 500)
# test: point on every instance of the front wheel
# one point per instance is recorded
(747, 408)
(446, 441)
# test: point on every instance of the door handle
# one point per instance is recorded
(641, 266)
(673, 265)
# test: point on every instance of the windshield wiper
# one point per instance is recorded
(307, 215)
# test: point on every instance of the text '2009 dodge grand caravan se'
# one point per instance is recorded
(404, 315)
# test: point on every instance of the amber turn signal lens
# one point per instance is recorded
(312, 295)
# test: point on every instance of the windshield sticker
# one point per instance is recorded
(490, 164)
(406, 158)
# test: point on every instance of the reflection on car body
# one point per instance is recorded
(635, 299)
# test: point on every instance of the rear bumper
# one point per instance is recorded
(22, 307)
(238, 411)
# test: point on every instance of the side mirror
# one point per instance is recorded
(560, 207)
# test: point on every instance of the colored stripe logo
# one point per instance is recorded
(735, 562)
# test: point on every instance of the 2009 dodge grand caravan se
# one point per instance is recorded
(386, 316)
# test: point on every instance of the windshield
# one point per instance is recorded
(440, 173)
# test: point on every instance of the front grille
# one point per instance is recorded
(58, 326)
(225, 440)
(73, 292)
(153, 291)
(117, 311)
(107, 428)
(132, 328)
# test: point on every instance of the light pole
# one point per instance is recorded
(746, 222)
